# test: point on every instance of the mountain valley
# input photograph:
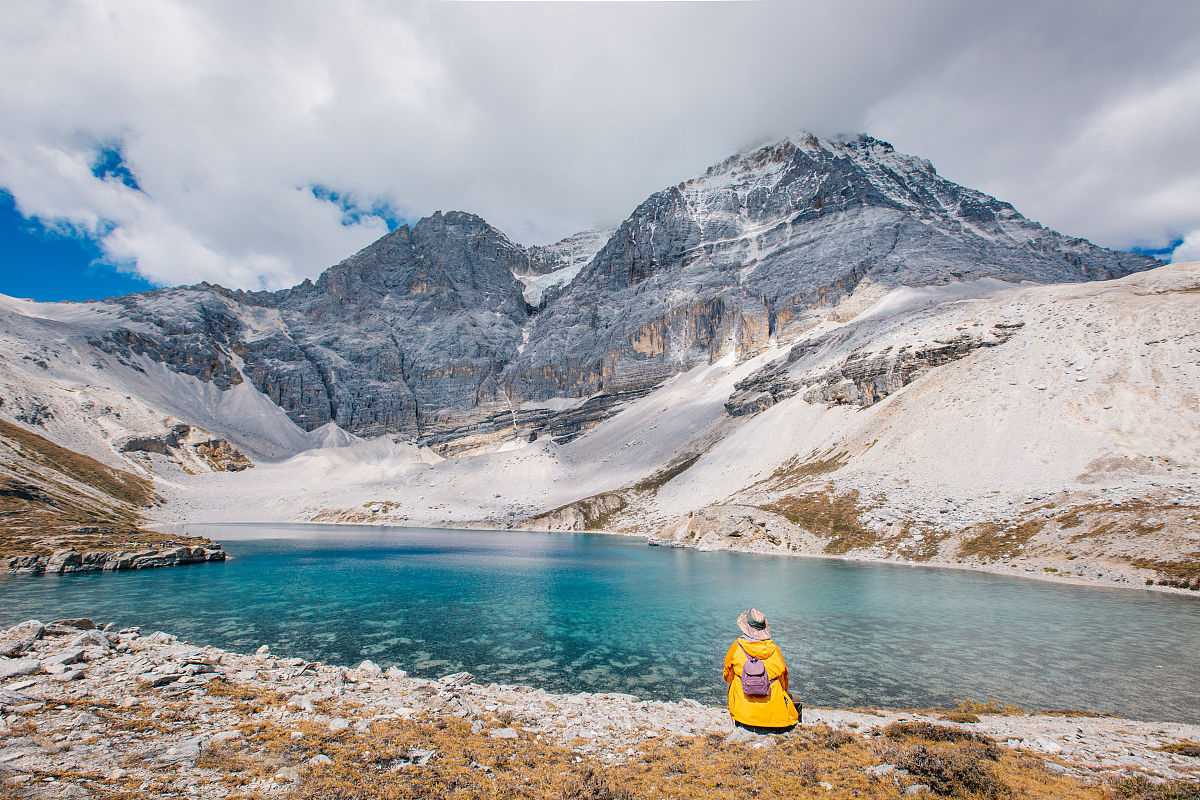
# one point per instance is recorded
(820, 347)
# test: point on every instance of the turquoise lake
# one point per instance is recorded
(607, 614)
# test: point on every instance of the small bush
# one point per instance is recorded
(1142, 788)
(588, 784)
(1071, 712)
(940, 733)
(960, 717)
(993, 706)
(805, 770)
(1182, 748)
(955, 769)
(827, 737)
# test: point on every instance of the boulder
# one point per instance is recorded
(82, 623)
(121, 559)
(91, 638)
(67, 560)
(69, 655)
(13, 647)
(20, 638)
(456, 679)
(25, 565)
(154, 679)
(15, 667)
(740, 736)
(29, 627)
(11, 698)
(370, 667)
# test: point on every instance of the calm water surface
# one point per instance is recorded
(595, 613)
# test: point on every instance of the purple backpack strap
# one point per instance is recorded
(756, 658)
(749, 657)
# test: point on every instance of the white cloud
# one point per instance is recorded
(1188, 250)
(548, 118)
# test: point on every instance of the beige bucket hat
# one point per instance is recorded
(754, 624)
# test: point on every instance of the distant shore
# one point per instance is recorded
(1025, 568)
(1033, 571)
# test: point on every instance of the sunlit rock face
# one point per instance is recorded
(449, 326)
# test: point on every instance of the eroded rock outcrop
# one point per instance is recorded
(866, 378)
(185, 445)
(69, 559)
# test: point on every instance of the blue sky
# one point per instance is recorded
(45, 265)
(254, 145)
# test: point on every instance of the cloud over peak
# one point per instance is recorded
(255, 144)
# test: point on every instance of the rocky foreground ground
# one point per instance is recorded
(100, 712)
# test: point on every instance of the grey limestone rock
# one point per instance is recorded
(91, 637)
(426, 333)
(456, 679)
(20, 638)
(16, 667)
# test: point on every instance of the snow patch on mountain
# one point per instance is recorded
(557, 264)
(54, 380)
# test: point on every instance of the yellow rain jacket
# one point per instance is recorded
(774, 711)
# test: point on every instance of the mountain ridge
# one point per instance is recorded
(430, 329)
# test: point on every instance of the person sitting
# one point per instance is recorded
(758, 679)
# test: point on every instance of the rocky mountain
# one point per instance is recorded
(820, 347)
(448, 333)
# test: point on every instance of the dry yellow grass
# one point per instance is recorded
(797, 470)
(829, 515)
(991, 541)
(443, 759)
(52, 497)
(1182, 573)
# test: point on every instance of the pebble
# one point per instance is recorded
(289, 774)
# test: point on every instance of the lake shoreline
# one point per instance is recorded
(103, 685)
(69, 560)
(1026, 570)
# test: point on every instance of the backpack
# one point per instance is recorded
(755, 682)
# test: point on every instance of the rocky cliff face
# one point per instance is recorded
(449, 327)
